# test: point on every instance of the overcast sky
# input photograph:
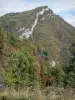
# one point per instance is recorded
(65, 8)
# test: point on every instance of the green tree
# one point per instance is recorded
(70, 73)
(21, 69)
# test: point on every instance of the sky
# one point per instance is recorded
(64, 8)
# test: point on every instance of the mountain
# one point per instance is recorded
(37, 56)
(42, 26)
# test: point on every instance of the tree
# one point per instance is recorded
(21, 69)
(1, 42)
(70, 73)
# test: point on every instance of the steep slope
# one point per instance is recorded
(44, 27)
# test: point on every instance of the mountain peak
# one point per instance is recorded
(43, 26)
(40, 11)
(46, 9)
(42, 7)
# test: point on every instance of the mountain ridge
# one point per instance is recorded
(43, 26)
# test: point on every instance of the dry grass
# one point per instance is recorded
(30, 93)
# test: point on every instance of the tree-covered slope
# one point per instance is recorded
(25, 63)
(41, 49)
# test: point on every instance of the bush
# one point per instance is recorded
(70, 73)
(58, 75)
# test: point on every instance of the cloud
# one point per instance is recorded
(64, 5)
(70, 18)
(66, 9)
(7, 6)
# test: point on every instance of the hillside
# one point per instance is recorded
(26, 74)
(37, 53)
(44, 27)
